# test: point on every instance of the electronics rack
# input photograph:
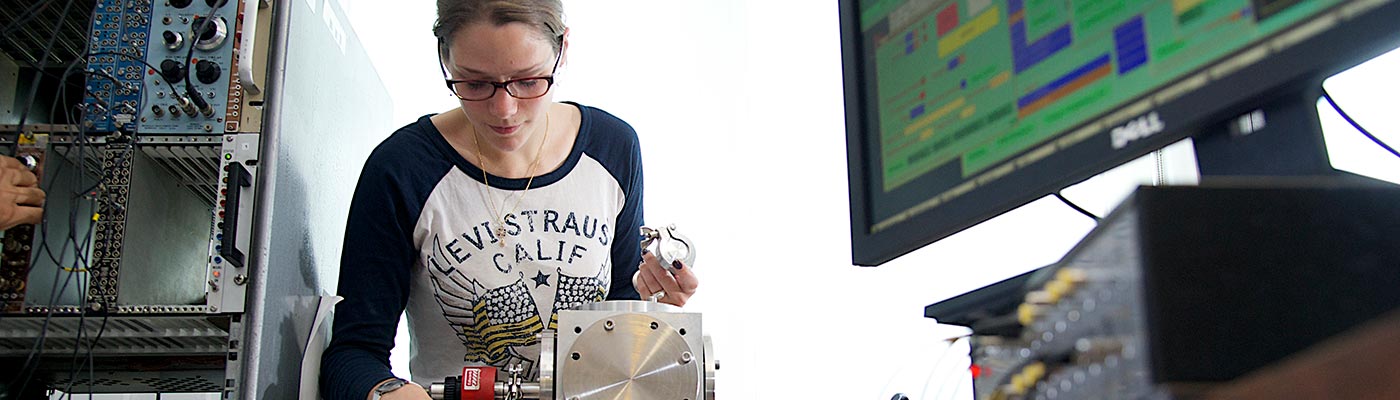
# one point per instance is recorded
(143, 261)
(1182, 290)
(189, 283)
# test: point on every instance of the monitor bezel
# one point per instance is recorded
(1298, 67)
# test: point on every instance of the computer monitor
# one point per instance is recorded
(960, 110)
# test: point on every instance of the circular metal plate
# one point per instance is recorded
(640, 357)
(628, 306)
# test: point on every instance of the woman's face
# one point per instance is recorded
(484, 51)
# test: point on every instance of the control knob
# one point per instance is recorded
(173, 41)
(173, 71)
(207, 71)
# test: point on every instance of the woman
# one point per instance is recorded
(482, 222)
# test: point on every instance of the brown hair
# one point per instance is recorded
(546, 16)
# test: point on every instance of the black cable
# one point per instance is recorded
(43, 246)
(91, 363)
(27, 371)
(1076, 207)
(43, 225)
(1356, 125)
(106, 308)
(55, 293)
(43, 333)
(80, 264)
(190, 91)
(140, 60)
(43, 62)
(84, 292)
(78, 341)
(62, 98)
(63, 78)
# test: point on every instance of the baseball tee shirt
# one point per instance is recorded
(480, 269)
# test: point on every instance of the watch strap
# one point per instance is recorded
(388, 386)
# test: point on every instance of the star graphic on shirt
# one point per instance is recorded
(541, 279)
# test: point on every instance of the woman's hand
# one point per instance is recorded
(652, 278)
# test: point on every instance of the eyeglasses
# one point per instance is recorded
(523, 88)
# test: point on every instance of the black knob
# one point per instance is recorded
(173, 71)
(452, 388)
(899, 396)
(180, 3)
(208, 31)
(207, 71)
(220, 2)
(173, 40)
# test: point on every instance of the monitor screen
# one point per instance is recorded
(960, 110)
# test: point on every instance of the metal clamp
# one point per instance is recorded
(670, 247)
(513, 381)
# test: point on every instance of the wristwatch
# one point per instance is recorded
(387, 387)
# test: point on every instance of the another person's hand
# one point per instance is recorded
(652, 278)
(21, 200)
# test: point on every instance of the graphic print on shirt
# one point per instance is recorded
(490, 322)
(574, 291)
(493, 281)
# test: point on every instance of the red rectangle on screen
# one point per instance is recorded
(947, 19)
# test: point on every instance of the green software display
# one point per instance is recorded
(970, 83)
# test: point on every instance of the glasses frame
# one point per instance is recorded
(495, 86)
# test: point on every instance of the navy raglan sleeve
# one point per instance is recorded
(374, 280)
(626, 250)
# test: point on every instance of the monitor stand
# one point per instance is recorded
(1282, 138)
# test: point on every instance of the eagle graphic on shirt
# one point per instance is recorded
(499, 326)
(491, 322)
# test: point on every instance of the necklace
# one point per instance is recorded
(491, 201)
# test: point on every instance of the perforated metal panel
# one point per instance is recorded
(143, 335)
(38, 22)
(144, 382)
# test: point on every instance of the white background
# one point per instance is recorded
(740, 112)
(739, 108)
